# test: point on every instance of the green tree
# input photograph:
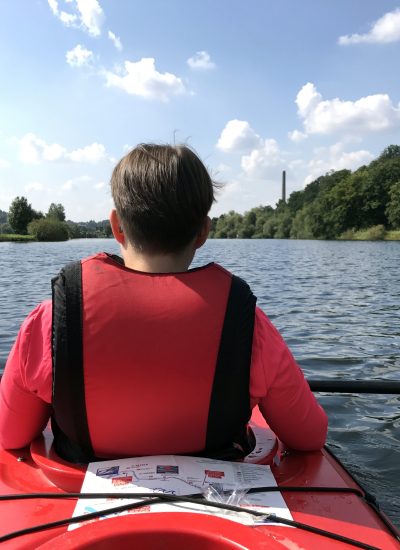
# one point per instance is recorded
(302, 224)
(248, 227)
(283, 225)
(74, 231)
(20, 214)
(228, 226)
(393, 207)
(263, 213)
(3, 216)
(107, 229)
(37, 215)
(5, 228)
(339, 208)
(56, 211)
(392, 151)
(269, 227)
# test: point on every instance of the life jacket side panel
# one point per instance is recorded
(146, 337)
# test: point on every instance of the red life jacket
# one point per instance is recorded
(147, 364)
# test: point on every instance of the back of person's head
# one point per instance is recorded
(162, 194)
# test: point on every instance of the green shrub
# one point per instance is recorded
(48, 229)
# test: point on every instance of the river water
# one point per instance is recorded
(336, 303)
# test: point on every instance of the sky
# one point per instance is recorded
(255, 87)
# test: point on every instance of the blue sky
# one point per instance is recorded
(254, 87)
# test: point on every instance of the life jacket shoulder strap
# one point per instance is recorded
(69, 407)
(230, 397)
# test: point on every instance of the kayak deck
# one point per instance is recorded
(39, 470)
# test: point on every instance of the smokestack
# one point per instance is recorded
(284, 186)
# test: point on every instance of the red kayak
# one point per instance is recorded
(329, 509)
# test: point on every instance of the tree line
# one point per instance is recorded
(336, 205)
(22, 219)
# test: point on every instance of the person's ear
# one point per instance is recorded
(116, 227)
(203, 233)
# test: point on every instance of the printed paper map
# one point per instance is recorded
(181, 475)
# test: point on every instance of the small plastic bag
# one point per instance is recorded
(215, 493)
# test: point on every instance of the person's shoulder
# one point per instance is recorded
(226, 271)
(40, 315)
(43, 309)
(264, 326)
(99, 256)
(218, 267)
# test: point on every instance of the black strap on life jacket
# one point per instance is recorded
(69, 407)
(227, 436)
(229, 411)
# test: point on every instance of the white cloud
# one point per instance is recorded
(238, 136)
(259, 162)
(201, 60)
(53, 6)
(373, 113)
(141, 78)
(307, 99)
(297, 136)
(334, 158)
(91, 153)
(99, 185)
(68, 185)
(33, 150)
(115, 40)
(74, 182)
(34, 186)
(91, 15)
(4, 163)
(67, 18)
(86, 14)
(384, 30)
(79, 56)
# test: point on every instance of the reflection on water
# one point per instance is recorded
(336, 304)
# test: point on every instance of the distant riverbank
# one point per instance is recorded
(10, 237)
(376, 233)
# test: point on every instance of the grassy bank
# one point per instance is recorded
(392, 235)
(10, 237)
(375, 233)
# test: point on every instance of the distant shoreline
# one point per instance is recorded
(356, 236)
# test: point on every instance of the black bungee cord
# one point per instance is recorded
(154, 498)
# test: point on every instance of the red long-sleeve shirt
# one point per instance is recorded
(277, 386)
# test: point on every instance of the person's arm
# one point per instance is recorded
(281, 391)
(25, 390)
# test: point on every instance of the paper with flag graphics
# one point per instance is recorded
(182, 475)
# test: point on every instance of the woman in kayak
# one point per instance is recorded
(141, 355)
